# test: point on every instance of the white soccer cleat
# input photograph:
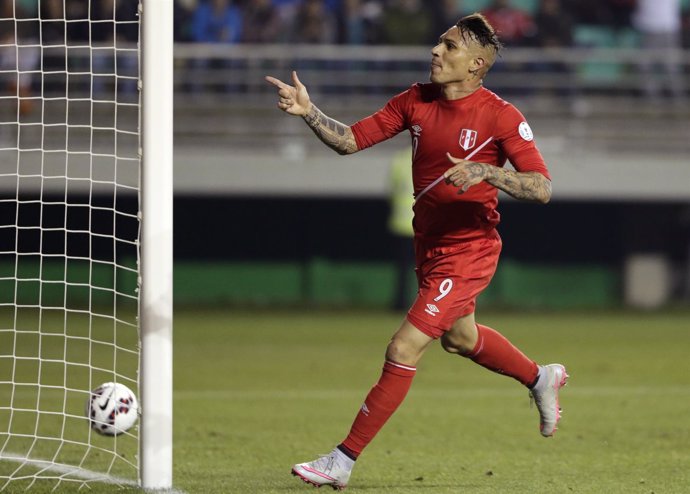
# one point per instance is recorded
(545, 395)
(333, 469)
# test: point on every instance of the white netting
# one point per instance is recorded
(69, 230)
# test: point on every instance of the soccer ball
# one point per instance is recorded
(112, 409)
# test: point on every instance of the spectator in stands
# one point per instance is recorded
(515, 26)
(611, 13)
(53, 28)
(261, 22)
(554, 26)
(620, 12)
(659, 24)
(554, 29)
(215, 21)
(20, 57)
(287, 9)
(183, 13)
(407, 22)
(445, 13)
(53, 22)
(314, 23)
(78, 28)
(361, 22)
(115, 59)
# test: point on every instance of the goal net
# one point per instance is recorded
(70, 174)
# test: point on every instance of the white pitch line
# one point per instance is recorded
(80, 473)
(61, 468)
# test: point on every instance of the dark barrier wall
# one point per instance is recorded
(216, 228)
(292, 251)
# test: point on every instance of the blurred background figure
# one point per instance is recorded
(611, 13)
(314, 23)
(407, 22)
(554, 25)
(446, 13)
(554, 31)
(52, 26)
(360, 22)
(183, 13)
(20, 56)
(401, 195)
(115, 68)
(659, 25)
(287, 10)
(515, 26)
(215, 21)
(620, 13)
(261, 22)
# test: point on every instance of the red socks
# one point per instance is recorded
(383, 399)
(496, 353)
(492, 351)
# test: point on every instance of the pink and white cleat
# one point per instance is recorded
(545, 395)
(333, 469)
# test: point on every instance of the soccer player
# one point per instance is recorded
(462, 134)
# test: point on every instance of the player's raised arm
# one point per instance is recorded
(295, 101)
(527, 186)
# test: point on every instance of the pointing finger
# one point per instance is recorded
(276, 82)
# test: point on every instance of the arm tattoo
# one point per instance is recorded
(335, 135)
(528, 186)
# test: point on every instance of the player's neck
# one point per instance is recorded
(460, 90)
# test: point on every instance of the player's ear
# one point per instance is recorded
(478, 65)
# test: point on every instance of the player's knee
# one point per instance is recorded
(450, 344)
(400, 352)
(456, 343)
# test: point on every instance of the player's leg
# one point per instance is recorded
(404, 351)
(490, 349)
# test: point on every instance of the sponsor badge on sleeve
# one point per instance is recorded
(525, 131)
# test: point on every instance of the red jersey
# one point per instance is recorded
(480, 126)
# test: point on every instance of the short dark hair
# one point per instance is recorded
(477, 28)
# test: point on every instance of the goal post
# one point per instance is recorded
(157, 262)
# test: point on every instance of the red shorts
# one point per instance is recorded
(450, 279)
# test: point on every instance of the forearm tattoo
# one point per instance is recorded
(528, 186)
(332, 133)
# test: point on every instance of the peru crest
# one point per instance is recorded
(468, 138)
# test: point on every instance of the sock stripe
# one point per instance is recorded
(401, 366)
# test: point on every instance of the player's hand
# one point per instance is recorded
(292, 99)
(464, 174)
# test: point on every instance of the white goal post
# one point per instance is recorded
(157, 261)
(85, 238)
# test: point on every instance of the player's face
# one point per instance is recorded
(451, 58)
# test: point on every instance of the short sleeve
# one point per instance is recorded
(516, 140)
(388, 122)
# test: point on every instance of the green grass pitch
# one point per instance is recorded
(257, 391)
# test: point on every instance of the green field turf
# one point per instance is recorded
(258, 391)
